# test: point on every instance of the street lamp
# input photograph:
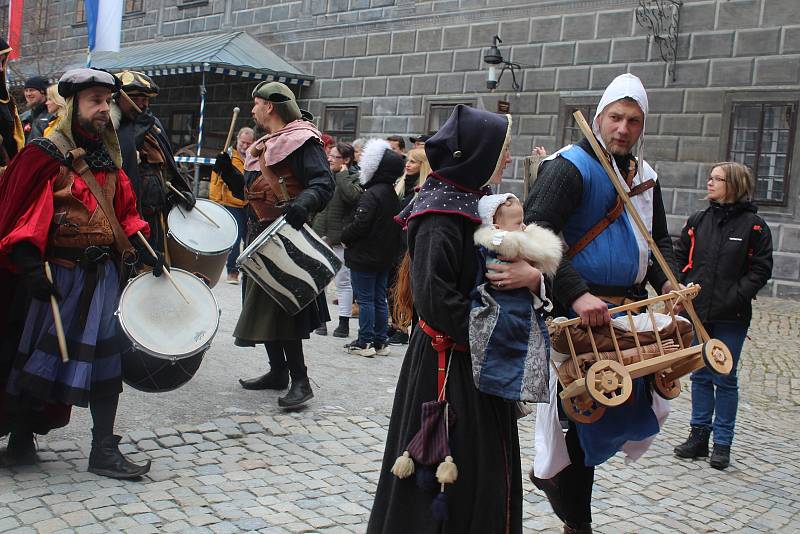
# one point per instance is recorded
(493, 58)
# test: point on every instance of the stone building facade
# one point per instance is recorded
(398, 66)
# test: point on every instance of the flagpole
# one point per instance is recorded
(88, 57)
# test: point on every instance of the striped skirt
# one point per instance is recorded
(94, 369)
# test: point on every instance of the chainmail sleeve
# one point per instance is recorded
(555, 195)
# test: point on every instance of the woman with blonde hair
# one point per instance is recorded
(727, 250)
(416, 172)
(56, 107)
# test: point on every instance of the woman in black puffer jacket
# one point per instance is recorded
(371, 243)
(727, 249)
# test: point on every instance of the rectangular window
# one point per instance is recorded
(181, 131)
(571, 133)
(761, 136)
(131, 6)
(439, 112)
(341, 122)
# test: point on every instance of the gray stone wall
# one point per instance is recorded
(391, 58)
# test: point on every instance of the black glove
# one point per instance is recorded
(145, 258)
(142, 124)
(229, 174)
(296, 215)
(26, 256)
(185, 199)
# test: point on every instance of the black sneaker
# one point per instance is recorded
(381, 349)
(720, 456)
(321, 331)
(360, 349)
(398, 338)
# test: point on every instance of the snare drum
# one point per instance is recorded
(292, 266)
(168, 336)
(196, 245)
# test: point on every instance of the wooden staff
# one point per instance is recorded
(198, 210)
(637, 219)
(62, 339)
(230, 130)
(164, 270)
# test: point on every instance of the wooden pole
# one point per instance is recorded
(62, 339)
(198, 210)
(165, 272)
(230, 130)
(637, 219)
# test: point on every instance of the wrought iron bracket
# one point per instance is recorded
(661, 18)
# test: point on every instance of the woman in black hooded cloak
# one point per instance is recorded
(480, 430)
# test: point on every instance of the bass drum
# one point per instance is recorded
(168, 336)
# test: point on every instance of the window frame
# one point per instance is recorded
(565, 105)
(444, 102)
(794, 103)
(338, 133)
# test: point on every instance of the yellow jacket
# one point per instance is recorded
(219, 192)
(52, 125)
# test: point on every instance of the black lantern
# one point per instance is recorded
(494, 57)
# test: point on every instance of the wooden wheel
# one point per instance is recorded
(717, 357)
(582, 409)
(609, 383)
(666, 389)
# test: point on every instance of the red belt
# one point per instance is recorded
(440, 343)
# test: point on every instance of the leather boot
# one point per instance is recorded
(273, 380)
(21, 449)
(343, 330)
(299, 394)
(696, 445)
(720, 456)
(107, 460)
(549, 487)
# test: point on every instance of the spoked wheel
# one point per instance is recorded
(666, 389)
(582, 409)
(609, 383)
(717, 357)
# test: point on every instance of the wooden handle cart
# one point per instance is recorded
(607, 380)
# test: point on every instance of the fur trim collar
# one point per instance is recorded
(371, 157)
(536, 244)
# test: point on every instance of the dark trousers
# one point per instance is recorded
(373, 311)
(241, 222)
(287, 353)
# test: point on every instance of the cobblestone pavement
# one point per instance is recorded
(315, 470)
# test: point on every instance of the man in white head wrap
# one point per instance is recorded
(607, 263)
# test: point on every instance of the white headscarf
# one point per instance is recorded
(623, 86)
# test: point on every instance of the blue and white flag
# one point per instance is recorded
(104, 19)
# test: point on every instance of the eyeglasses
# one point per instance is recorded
(716, 179)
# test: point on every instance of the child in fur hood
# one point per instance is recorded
(508, 336)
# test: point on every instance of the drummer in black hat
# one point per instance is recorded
(147, 155)
(292, 151)
(50, 212)
(12, 135)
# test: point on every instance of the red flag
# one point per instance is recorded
(15, 9)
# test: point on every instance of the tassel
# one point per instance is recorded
(425, 479)
(403, 466)
(439, 508)
(447, 473)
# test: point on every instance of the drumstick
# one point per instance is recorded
(198, 210)
(136, 108)
(62, 340)
(165, 271)
(230, 130)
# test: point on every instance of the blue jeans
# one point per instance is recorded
(717, 397)
(241, 222)
(373, 311)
